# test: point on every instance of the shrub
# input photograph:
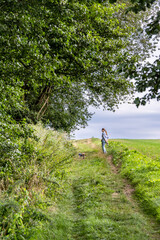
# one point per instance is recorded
(32, 170)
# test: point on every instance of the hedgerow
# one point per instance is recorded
(144, 174)
(32, 170)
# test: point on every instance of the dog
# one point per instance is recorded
(82, 155)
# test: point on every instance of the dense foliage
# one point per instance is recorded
(147, 75)
(138, 5)
(31, 181)
(144, 174)
(59, 57)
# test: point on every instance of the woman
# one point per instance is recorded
(104, 139)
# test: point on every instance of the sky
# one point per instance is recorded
(128, 122)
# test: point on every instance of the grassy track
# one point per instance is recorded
(150, 147)
(143, 171)
(94, 205)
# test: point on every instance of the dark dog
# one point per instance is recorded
(82, 155)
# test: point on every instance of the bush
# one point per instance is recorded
(32, 170)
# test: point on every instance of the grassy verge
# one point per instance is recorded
(30, 185)
(144, 173)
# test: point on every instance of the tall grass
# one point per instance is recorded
(33, 184)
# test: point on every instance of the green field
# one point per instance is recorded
(95, 203)
(113, 196)
(149, 147)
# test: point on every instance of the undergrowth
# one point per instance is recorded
(144, 173)
(31, 181)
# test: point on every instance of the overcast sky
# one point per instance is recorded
(127, 122)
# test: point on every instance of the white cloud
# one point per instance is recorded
(127, 122)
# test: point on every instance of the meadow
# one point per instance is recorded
(149, 147)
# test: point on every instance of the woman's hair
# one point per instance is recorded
(104, 130)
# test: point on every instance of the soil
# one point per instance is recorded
(128, 189)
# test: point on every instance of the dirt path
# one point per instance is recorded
(128, 189)
(98, 203)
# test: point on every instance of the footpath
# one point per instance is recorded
(98, 204)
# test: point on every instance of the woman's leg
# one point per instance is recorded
(103, 147)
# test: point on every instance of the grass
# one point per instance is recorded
(93, 204)
(31, 184)
(143, 172)
(150, 147)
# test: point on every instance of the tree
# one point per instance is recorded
(147, 76)
(53, 48)
(138, 5)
